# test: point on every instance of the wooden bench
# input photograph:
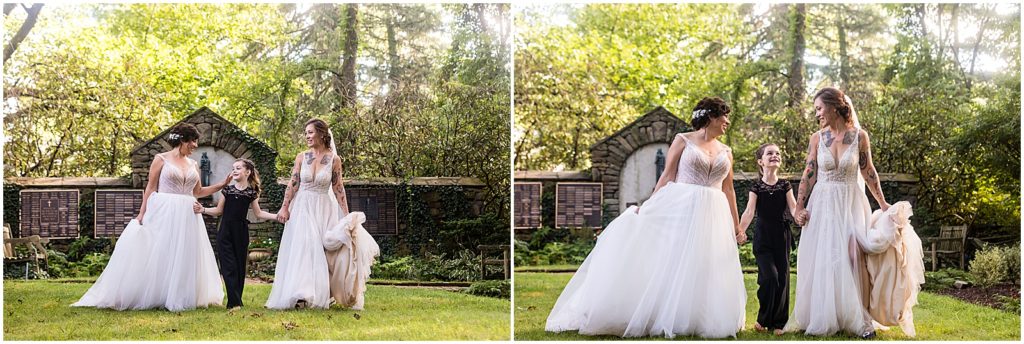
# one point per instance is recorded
(505, 260)
(949, 245)
(36, 252)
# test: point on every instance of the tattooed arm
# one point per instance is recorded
(807, 181)
(338, 186)
(293, 187)
(867, 170)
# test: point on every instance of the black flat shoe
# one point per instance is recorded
(868, 335)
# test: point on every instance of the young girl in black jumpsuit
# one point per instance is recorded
(233, 233)
(768, 199)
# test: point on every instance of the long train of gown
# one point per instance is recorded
(673, 269)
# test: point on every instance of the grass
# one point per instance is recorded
(546, 268)
(936, 317)
(39, 310)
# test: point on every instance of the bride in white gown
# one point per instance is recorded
(829, 297)
(671, 268)
(163, 258)
(314, 202)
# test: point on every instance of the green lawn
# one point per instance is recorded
(936, 317)
(39, 310)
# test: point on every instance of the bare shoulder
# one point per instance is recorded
(725, 147)
(862, 134)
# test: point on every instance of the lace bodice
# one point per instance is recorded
(696, 167)
(319, 183)
(845, 169)
(178, 180)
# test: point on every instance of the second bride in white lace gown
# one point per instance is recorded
(673, 267)
(314, 202)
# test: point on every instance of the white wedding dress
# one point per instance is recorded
(302, 271)
(167, 262)
(829, 261)
(673, 269)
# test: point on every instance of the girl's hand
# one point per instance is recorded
(197, 208)
(741, 237)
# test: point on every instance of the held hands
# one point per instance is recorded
(741, 236)
(282, 215)
(197, 208)
(802, 216)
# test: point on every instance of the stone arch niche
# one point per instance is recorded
(624, 161)
(222, 142)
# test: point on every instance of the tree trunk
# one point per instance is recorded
(977, 47)
(844, 57)
(8, 8)
(955, 23)
(797, 26)
(30, 21)
(393, 62)
(348, 66)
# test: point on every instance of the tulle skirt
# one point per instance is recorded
(167, 262)
(302, 272)
(673, 269)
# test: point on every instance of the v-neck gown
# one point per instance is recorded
(167, 261)
(828, 264)
(673, 269)
(302, 271)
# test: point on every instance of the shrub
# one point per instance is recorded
(461, 266)
(1012, 255)
(549, 246)
(943, 279)
(522, 253)
(747, 255)
(989, 266)
(395, 269)
(488, 229)
(491, 288)
(1009, 304)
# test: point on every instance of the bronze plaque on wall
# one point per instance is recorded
(380, 207)
(578, 205)
(49, 213)
(527, 203)
(114, 209)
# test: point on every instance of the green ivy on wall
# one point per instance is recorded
(12, 207)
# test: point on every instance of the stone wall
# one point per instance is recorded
(608, 156)
(217, 136)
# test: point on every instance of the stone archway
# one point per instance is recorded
(220, 139)
(629, 148)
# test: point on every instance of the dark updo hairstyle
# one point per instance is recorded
(321, 129)
(182, 133)
(835, 98)
(760, 153)
(716, 108)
